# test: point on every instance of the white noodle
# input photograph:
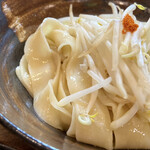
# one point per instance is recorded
(124, 48)
(71, 15)
(118, 65)
(109, 45)
(95, 18)
(109, 88)
(84, 92)
(135, 43)
(115, 57)
(147, 26)
(140, 58)
(113, 7)
(132, 83)
(125, 118)
(128, 10)
(97, 41)
(120, 85)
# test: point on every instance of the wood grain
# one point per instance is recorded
(7, 137)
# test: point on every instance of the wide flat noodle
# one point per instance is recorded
(43, 65)
(133, 135)
(99, 132)
(46, 107)
(89, 79)
(23, 75)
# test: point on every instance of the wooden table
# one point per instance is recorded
(13, 140)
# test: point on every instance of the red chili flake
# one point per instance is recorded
(129, 25)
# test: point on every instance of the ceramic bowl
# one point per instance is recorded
(16, 109)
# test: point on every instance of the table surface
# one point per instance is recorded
(13, 140)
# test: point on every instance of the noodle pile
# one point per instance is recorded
(90, 76)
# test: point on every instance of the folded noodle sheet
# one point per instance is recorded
(50, 69)
(44, 76)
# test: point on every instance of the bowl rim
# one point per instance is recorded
(30, 139)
